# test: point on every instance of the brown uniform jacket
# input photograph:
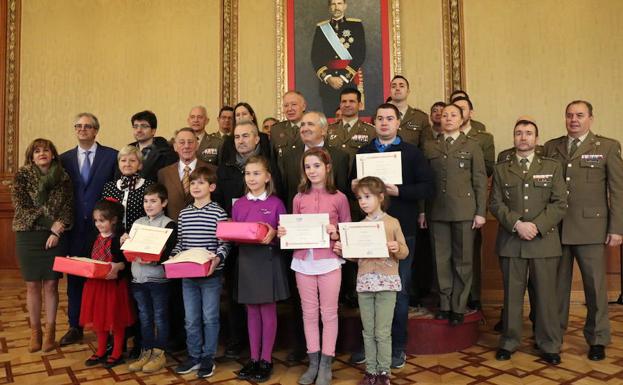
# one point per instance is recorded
(460, 180)
(412, 125)
(485, 140)
(169, 176)
(594, 176)
(350, 141)
(209, 150)
(283, 136)
(539, 196)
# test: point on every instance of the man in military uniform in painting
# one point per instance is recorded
(338, 52)
(350, 133)
(593, 170)
(413, 122)
(529, 199)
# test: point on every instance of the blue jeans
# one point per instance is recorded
(201, 308)
(401, 311)
(152, 301)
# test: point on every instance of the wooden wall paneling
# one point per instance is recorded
(9, 130)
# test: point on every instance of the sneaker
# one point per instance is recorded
(206, 369)
(137, 365)
(156, 362)
(188, 366)
(383, 379)
(264, 370)
(368, 379)
(358, 357)
(248, 370)
(398, 361)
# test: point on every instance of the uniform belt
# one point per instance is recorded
(338, 64)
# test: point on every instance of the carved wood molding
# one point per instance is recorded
(453, 46)
(10, 11)
(229, 52)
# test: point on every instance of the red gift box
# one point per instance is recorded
(83, 267)
(145, 257)
(187, 269)
(241, 232)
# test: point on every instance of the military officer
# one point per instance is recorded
(432, 131)
(529, 199)
(413, 122)
(209, 144)
(485, 140)
(479, 126)
(350, 133)
(593, 171)
(338, 52)
(285, 134)
(456, 211)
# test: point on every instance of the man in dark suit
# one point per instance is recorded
(313, 133)
(89, 165)
(593, 170)
(338, 52)
(418, 182)
(529, 199)
(157, 153)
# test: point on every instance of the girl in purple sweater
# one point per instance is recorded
(262, 279)
(318, 271)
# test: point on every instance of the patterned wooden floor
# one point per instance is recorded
(475, 365)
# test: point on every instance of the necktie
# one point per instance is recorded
(523, 162)
(347, 127)
(449, 141)
(574, 146)
(86, 167)
(186, 180)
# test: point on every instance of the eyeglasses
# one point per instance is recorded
(142, 125)
(83, 126)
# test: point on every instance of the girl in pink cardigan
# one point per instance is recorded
(318, 274)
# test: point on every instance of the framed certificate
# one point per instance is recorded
(384, 165)
(363, 240)
(305, 231)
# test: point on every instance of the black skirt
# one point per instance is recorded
(262, 275)
(35, 262)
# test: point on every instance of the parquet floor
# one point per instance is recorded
(475, 365)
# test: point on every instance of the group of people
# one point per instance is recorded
(555, 203)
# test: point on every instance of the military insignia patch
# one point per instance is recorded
(346, 33)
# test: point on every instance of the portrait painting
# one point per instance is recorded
(332, 45)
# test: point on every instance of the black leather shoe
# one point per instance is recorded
(551, 358)
(474, 305)
(296, 356)
(72, 336)
(596, 353)
(263, 372)
(442, 314)
(503, 355)
(248, 371)
(456, 318)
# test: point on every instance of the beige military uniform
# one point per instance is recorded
(210, 147)
(352, 139)
(539, 196)
(412, 125)
(461, 193)
(594, 176)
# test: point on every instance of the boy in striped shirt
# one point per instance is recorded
(197, 229)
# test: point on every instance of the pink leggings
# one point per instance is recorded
(327, 288)
(262, 326)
